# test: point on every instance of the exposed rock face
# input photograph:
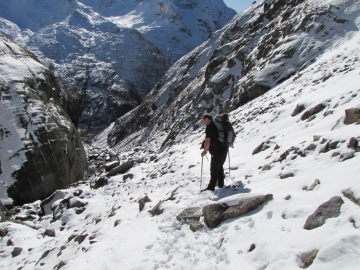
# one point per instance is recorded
(216, 213)
(42, 150)
(252, 54)
(329, 209)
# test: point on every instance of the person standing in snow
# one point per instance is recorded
(218, 153)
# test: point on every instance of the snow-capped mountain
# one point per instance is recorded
(269, 43)
(41, 150)
(298, 144)
(115, 51)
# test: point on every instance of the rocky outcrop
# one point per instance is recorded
(40, 137)
(329, 209)
(216, 213)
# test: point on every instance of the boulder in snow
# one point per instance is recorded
(100, 182)
(142, 202)
(262, 147)
(111, 165)
(122, 168)
(232, 207)
(286, 175)
(351, 196)
(156, 210)
(190, 213)
(16, 251)
(316, 182)
(310, 259)
(352, 116)
(299, 109)
(329, 209)
(196, 225)
(50, 232)
(318, 108)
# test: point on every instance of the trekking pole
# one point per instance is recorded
(229, 162)
(202, 161)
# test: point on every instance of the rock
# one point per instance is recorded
(286, 175)
(76, 203)
(52, 153)
(190, 213)
(10, 242)
(352, 116)
(318, 108)
(111, 165)
(351, 196)
(50, 232)
(352, 143)
(316, 182)
(60, 265)
(80, 238)
(310, 259)
(112, 213)
(128, 176)
(156, 210)
(216, 213)
(117, 222)
(122, 168)
(3, 232)
(276, 147)
(100, 182)
(3, 212)
(299, 108)
(316, 138)
(266, 167)
(16, 251)
(288, 197)
(262, 147)
(196, 225)
(310, 147)
(335, 154)
(246, 206)
(142, 202)
(252, 247)
(329, 209)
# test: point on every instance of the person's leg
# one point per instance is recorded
(221, 174)
(214, 169)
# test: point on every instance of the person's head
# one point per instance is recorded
(206, 118)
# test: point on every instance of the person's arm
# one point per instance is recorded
(206, 147)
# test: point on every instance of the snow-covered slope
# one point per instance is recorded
(115, 51)
(41, 150)
(259, 49)
(109, 232)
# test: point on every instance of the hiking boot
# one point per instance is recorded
(207, 189)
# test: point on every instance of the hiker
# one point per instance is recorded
(217, 150)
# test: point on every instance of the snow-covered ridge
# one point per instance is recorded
(114, 51)
(257, 50)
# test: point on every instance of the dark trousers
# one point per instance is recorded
(218, 158)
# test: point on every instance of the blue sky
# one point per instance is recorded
(238, 5)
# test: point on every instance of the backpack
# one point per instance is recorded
(225, 130)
